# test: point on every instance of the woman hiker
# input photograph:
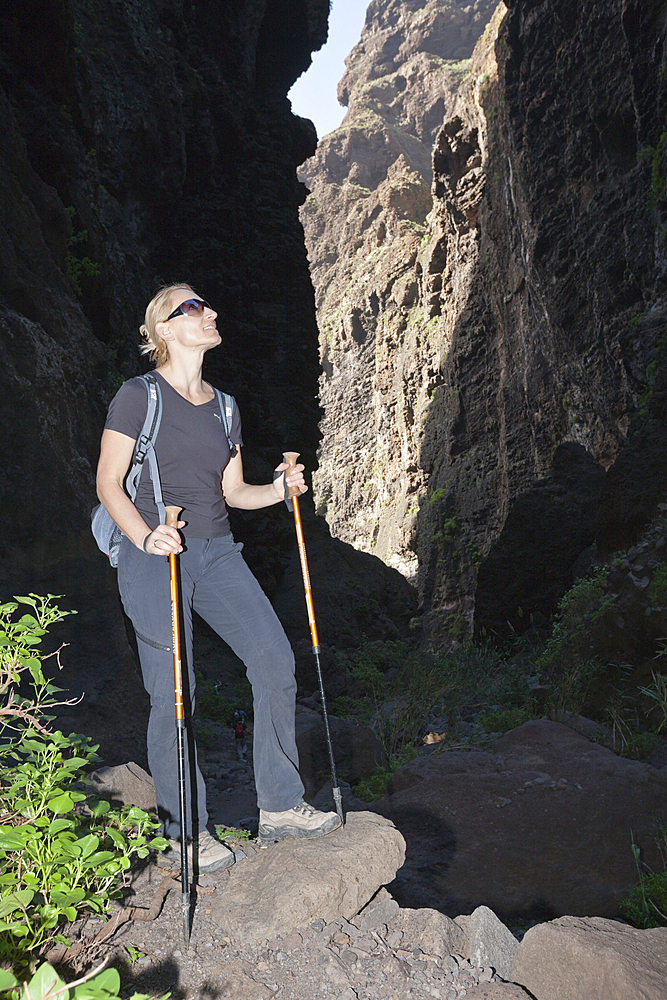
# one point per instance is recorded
(199, 473)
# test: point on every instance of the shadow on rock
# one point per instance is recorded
(430, 848)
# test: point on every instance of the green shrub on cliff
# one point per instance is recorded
(580, 612)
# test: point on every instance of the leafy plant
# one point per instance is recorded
(580, 611)
(658, 588)
(76, 266)
(646, 906)
(657, 692)
(61, 850)
(206, 737)
(503, 719)
(210, 704)
(234, 834)
(373, 787)
(46, 984)
(134, 954)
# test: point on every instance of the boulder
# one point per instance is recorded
(381, 909)
(429, 930)
(573, 958)
(541, 827)
(288, 886)
(126, 784)
(357, 750)
(491, 943)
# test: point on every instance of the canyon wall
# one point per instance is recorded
(499, 334)
(149, 142)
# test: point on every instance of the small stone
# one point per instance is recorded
(349, 958)
(319, 924)
(177, 953)
(341, 939)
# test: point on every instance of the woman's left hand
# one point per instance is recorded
(295, 478)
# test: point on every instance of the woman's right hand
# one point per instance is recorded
(163, 540)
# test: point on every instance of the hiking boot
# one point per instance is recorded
(301, 821)
(209, 855)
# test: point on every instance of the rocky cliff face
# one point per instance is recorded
(365, 225)
(511, 348)
(145, 143)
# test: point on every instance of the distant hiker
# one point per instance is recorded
(238, 724)
(198, 452)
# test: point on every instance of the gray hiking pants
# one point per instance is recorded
(216, 582)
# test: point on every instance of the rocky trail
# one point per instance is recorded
(313, 919)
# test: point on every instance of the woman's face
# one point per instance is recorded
(192, 326)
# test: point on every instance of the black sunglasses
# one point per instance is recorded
(191, 307)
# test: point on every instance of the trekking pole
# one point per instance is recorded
(172, 521)
(290, 458)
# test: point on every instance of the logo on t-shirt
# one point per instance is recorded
(218, 417)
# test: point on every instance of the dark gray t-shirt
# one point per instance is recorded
(191, 449)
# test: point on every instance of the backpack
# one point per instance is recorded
(105, 531)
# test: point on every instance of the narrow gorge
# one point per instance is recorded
(454, 306)
(486, 240)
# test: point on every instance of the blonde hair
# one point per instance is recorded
(157, 311)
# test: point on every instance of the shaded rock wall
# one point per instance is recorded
(145, 142)
(529, 311)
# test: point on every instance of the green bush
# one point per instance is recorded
(574, 639)
(646, 906)
(658, 589)
(504, 719)
(61, 849)
(373, 788)
(209, 704)
(46, 984)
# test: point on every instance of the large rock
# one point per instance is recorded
(589, 958)
(541, 826)
(491, 943)
(286, 887)
(429, 930)
(127, 784)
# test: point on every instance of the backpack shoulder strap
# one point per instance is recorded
(144, 447)
(226, 404)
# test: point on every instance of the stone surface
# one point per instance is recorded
(522, 316)
(293, 883)
(364, 222)
(498, 991)
(429, 930)
(490, 942)
(127, 783)
(129, 160)
(576, 957)
(540, 827)
(381, 909)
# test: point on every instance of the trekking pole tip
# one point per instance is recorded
(338, 799)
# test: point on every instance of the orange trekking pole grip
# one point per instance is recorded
(290, 458)
(172, 521)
